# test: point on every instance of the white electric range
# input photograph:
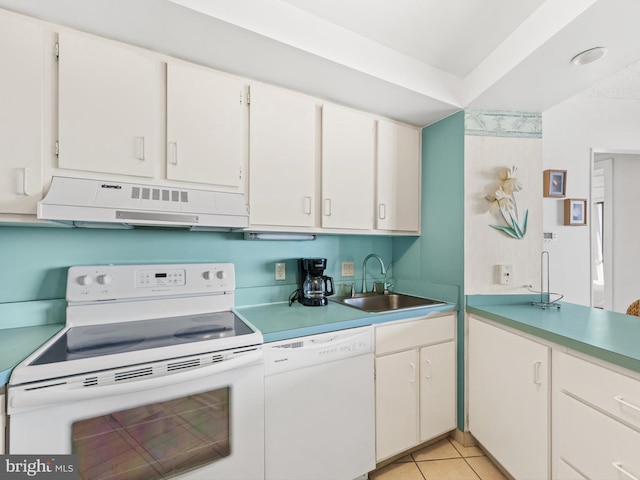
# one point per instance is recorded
(153, 376)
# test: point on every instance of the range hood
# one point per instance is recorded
(105, 204)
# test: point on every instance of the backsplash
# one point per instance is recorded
(34, 261)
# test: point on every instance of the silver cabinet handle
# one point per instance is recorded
(25, 181)
(173, 153)
(626, 404)
(327, 207)
(618, 466)
(428, 368)
(139, 148)
(307, 205)
(382, 211)
(536, 373)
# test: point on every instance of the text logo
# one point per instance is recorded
(49, 467)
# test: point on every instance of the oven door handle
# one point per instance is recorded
(29, 399)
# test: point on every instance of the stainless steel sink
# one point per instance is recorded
(376, 303)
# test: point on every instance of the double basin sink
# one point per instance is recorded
(388, 302)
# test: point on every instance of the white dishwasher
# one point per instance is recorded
(319, 406)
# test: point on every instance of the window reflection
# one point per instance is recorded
(154, 441)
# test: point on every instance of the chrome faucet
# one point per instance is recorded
(383, 270)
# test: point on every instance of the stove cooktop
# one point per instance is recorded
(110, 338)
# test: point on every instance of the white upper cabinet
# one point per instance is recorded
(205, 134)
(22, 57)
(347, 169)
(110, 106)
(398, 177)
(282, 145)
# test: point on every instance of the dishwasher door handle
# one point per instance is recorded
(336, 340)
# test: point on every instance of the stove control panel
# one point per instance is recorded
(159, 278)
(115, 282)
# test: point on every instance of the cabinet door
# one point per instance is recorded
(109, 107)
(398, 177)
(437, 390)
(204, 126)
(396, 403)
(347, 169)
(509, 398)
(22, 46)
(282, 162)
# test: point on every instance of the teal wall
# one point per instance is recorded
(433, 264)
(34, 260)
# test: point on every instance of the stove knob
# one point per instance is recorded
(104, 279)
(85, 280)
(208, 275)
(221, 274)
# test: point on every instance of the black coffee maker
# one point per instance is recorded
(315, 287)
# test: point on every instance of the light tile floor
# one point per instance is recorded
(444, 460)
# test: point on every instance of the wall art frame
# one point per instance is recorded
(555, 183)
(575, 211)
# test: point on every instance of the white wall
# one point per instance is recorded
(626, 231)
(486, 247)
(570, 131)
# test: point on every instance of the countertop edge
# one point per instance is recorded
(571, 343)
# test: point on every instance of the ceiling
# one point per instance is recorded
(416, 61)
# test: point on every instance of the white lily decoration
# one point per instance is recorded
(503, 200)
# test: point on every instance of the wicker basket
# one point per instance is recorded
(634, 309)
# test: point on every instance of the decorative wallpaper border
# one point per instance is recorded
(496, 123)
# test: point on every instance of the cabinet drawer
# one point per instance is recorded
(566, 472)
(595, 444)
(613, 392)
(414, 333)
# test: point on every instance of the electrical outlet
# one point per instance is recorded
(281, 271)
(347, 269)
(504, 274)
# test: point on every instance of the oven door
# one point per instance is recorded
(146, 422)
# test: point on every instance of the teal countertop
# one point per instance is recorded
(16, 344)
(613, 337)
(279, 321)
(276, 321)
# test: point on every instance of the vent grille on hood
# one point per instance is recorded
(95, 203)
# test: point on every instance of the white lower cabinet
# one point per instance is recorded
(437, 390)
(596, 421)
(415, 382)
(509, 398)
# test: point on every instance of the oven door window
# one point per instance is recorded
(154, 441)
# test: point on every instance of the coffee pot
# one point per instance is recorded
(316, 286)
